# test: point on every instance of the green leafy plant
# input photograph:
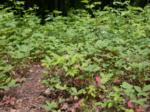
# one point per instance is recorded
(6, 80)
(137, 94)
(103, 61)
(50, 106)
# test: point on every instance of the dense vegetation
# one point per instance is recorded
(92, 64)
(46, 6)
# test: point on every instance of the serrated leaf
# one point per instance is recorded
(137, 88)
(146, 88)
(92, 68)
(50, 106)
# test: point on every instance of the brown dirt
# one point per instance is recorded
(27, 97)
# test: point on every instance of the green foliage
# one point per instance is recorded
(50, 106)
(112, 46)
(6, 81)
(135, 93)
(85, 57)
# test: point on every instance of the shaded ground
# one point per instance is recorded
(28, 96)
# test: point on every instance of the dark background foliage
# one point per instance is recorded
(46, 6)
(64, 5)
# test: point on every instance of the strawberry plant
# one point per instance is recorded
(95, 55)
(93, 64)
(6, 80)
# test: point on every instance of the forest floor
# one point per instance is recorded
(27, 96)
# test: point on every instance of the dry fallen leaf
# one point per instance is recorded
(64, 106)
(139, 109)
(98, 80)
(8, 100)
(130, 104)
(14, 110)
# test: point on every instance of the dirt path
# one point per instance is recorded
(26, 97)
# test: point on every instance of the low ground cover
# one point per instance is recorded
(92, 64)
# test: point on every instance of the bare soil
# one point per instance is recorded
(27, 97)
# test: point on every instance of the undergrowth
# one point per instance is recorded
(93, 64)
